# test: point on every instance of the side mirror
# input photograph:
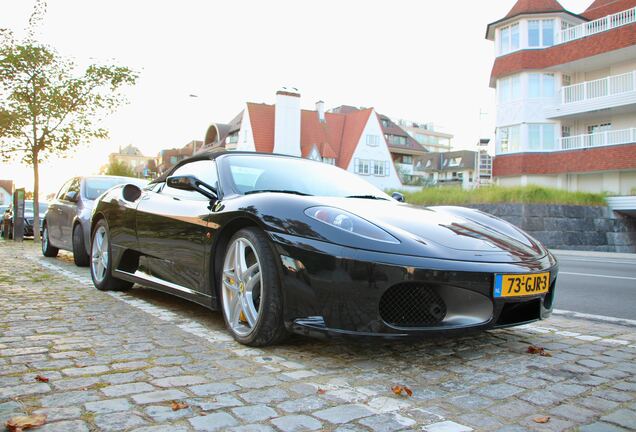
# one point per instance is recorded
(71, 196)
(131, 192)
(191, 183)
(398, 196)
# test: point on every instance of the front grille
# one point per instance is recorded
(412, 305)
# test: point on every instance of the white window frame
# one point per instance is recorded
(329, 161)
(541, 145)
(543, 77)
(373, 140)
(509, 88)
(508, 46)
(362, 166)
(542, 43)
(510, 147)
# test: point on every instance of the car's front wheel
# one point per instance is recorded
(101, 261)
(250, 290)
(47, 249)
(80, 257)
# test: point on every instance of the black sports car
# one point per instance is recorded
(282, 244)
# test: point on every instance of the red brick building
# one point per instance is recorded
(566, 96)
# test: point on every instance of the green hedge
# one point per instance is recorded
(497, 194)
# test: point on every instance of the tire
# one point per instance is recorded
(80, 257)
(256, 284)
(102, 274)
(47, 249)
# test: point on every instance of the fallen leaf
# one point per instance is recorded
(538, 350)
(399, 389)
(176, 406)
(543, 419)
(41, 378)
(321, 391)
(18, 424)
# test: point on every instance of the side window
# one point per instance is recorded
(62, 193)
(204, 170)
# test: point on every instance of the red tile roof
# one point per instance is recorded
(601, 8)
(535, 6)
(336, 137)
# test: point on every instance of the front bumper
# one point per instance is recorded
(335, 290)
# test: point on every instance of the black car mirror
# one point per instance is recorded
(398, 197)
(131, 192)
(191, 183)
(70, 196)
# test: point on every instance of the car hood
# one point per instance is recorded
(448, 232)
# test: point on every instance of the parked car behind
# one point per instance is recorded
(67, 222)
(9, 216)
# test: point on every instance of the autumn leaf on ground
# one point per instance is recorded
(543, 419)
(321, 391)
(20, 423)
(538, 350)
(399, 389)
(41, 378)
(176, 406)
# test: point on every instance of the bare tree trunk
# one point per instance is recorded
(36, 198)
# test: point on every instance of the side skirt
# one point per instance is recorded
(153, 282)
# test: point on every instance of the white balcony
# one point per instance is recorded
(612, 92)
(598, 139)
(590, 28)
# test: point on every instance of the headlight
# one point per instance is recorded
(349, 222)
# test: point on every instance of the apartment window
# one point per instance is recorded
(510, 88)
(566, 80)
(455, 161)
(396, 139)
(330, 161)
(173, 160)
(509, 38)
(233, 138)
(407, 159)
(540, 33)
(385, 123)
(592, 129)
(362, 166)
(509, 139)
(373, 140)
(541, 85)
(541, 136)
(566, 131)
(378, 168)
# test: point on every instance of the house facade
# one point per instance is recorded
(132, 157)
(6, 192)
(566, 96)
(454, 168)
(350, 138)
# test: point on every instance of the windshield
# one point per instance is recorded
(95, 186)
(253, 173)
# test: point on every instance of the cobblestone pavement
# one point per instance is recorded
(115, 362)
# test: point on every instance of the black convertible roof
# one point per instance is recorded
(212, 154)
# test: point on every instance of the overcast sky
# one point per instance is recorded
(422, 60)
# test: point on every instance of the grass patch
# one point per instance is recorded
(498, 194)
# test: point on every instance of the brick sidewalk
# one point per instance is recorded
(115, 362)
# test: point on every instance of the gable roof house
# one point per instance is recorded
(350, 138)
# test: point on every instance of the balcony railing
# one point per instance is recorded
(608, 86)
(598, 139)
(597, 26)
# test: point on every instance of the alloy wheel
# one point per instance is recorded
(242, 286)
(99, 254)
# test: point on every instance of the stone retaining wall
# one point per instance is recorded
(590, 228)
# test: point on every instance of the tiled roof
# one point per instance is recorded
(336, 137)
(601, 8)
(535, 6)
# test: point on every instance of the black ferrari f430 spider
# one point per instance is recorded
(281, 244)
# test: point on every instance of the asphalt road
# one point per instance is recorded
(599, 285)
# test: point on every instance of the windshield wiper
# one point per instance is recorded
(375, 197)
(277, 190)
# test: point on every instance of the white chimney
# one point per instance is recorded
(320, 109)
(287, 122)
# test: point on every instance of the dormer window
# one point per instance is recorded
(509, 38)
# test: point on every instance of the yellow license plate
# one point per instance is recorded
(519, 285)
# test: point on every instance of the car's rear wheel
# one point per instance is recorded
(101, 261)
(47, 249)
(80, 257)
(250, 290)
